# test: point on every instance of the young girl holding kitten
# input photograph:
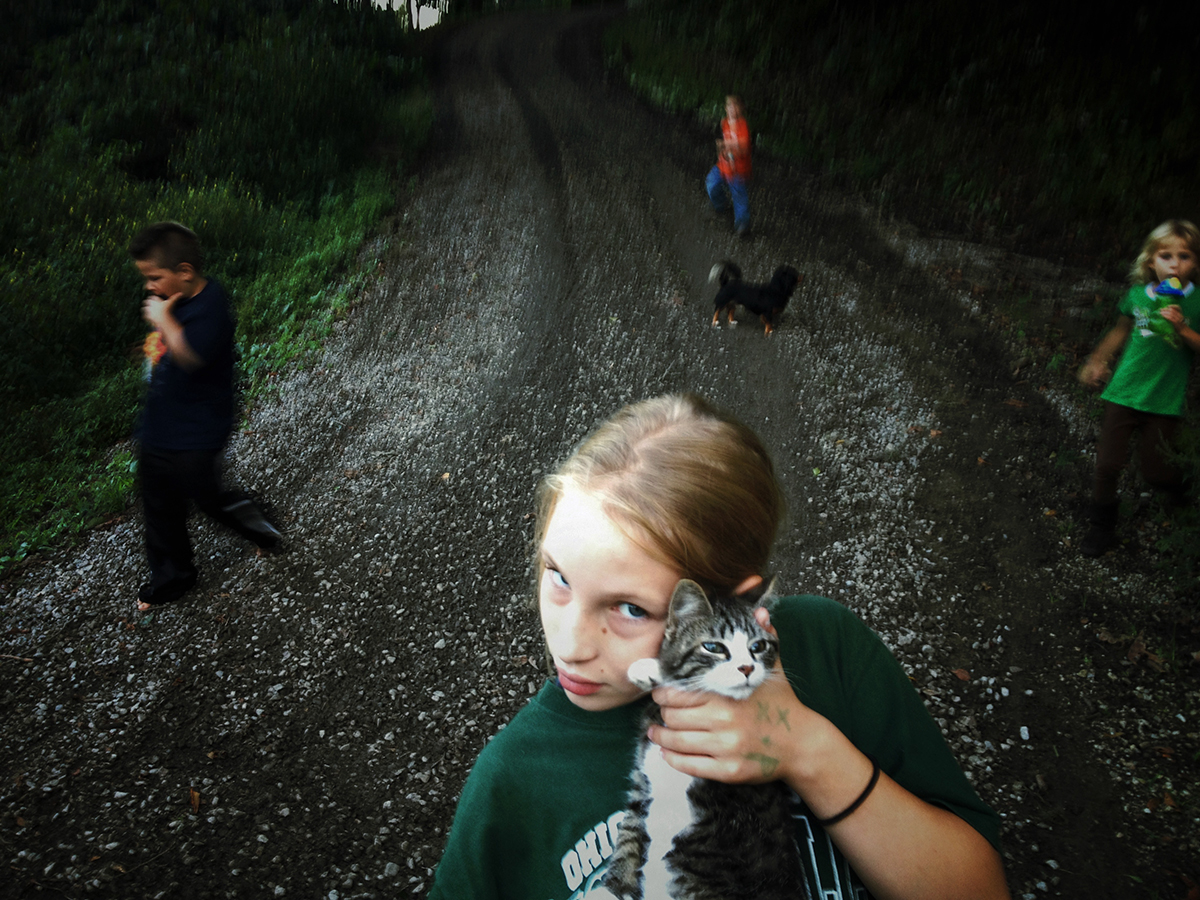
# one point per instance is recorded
(1147, 389)
(668, 489)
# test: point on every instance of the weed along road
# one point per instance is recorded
(302, 724)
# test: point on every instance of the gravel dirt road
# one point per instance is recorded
(302, 725)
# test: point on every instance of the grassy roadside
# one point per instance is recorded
(279, 130)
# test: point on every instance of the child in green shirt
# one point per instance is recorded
(1146, 392)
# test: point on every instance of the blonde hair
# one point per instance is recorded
(686, 482)
(1142, 271)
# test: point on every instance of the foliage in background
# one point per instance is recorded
(276, 128)
(1068, 130)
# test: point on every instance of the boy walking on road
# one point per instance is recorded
(188, 411)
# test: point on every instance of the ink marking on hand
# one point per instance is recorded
(783, 720)
(769, 763)
(764, 712)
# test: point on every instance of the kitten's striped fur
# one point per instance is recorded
(687, 838)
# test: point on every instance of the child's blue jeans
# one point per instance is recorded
(716, 185)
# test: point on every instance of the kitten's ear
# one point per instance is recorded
(688, 601)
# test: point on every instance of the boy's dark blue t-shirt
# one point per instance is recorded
(193, 410)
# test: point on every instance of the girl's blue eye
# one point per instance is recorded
(556, 578)
(632, 611)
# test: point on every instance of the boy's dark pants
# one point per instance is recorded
(170, 478)
(1112, 453)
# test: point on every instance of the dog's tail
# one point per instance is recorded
(725, 271)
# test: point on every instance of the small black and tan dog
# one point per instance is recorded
(764, 300)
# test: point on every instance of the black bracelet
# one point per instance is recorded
(862, 798)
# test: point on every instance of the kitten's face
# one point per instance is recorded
(719, 649)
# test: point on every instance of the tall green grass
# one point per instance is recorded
(277, 129)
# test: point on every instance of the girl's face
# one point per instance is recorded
(603, 602)
(1174, 257)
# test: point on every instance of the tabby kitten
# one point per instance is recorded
(688, 838)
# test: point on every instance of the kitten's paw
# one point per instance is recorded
(645, 673)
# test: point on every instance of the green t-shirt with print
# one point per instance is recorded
(1152, 375)
(539, 812)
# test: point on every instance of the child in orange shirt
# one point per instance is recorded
(732, 171)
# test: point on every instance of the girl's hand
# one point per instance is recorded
(1094, 373)
(736, 741)
(158, 312)
(901, 846)
(1174, 315)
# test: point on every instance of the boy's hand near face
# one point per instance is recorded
(156, 309)
(158, 313)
